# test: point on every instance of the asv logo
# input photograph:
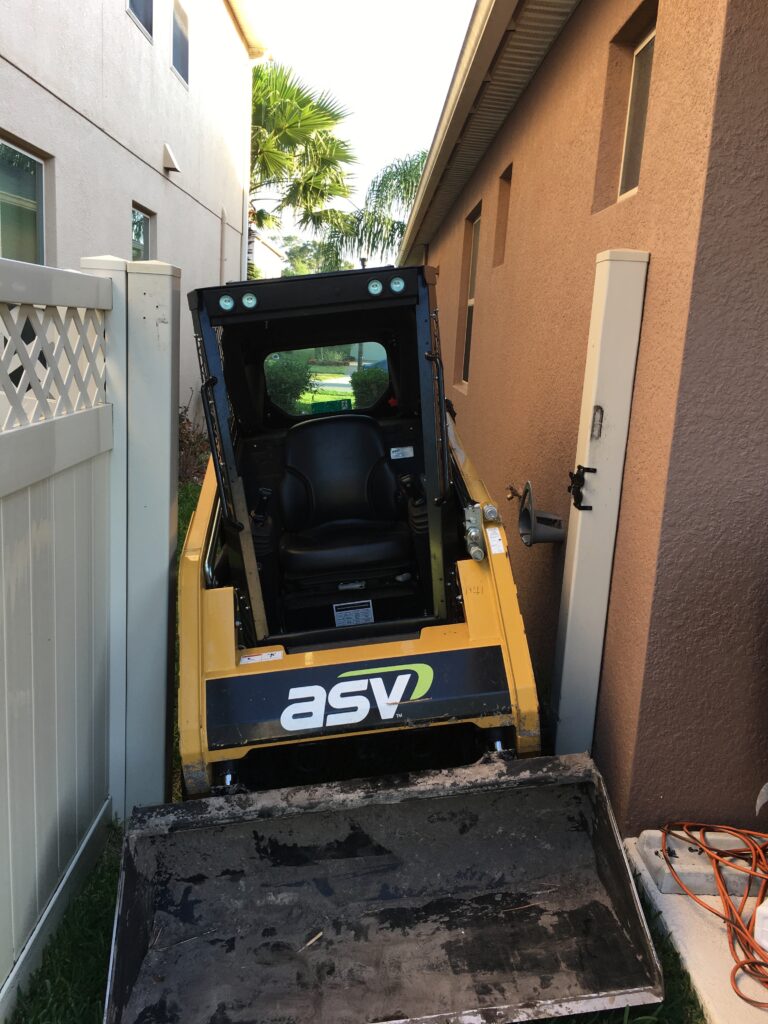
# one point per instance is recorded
(350, 700)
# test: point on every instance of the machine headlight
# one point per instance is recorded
(375, 287)
(227, 303)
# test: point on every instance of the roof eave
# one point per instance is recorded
(503, 36)
(244, 15)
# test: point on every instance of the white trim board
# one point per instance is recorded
(609, 375)
(31, 955)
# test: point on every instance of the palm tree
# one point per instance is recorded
(375, 231)
(294, 147)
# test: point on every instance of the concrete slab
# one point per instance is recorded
(691, 864)
(702, 942)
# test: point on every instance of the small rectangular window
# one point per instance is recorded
(329, 379)
(636, 114)
(473, 231)
(141, 234)
(142, 12)
(21, 206)
(502, 217)
(180, 42)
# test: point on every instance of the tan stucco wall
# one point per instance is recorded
(701, 745)
(99, 99)
(519, 413)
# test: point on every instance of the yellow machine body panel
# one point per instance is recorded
(208, 649)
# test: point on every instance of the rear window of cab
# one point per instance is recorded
(331, 378)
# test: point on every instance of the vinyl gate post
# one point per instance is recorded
(153, 410)
(614, 336)
(114, 268)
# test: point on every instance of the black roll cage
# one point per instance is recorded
(216, 308)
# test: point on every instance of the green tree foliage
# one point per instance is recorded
(288, 378)
(377, 230)
(309, 256)
(295, 151)
(368, 385)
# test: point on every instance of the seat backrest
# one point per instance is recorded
(336, 468)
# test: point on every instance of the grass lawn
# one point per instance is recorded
(69, 986)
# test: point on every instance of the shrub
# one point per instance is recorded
(193, 450)
(368, 385)
(287, 380)
(336, 355)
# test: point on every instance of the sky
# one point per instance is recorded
(388, 63)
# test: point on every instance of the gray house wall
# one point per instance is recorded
(84, 89)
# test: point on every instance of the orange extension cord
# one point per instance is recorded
(750, 856)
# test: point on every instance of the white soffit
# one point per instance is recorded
(505, 43)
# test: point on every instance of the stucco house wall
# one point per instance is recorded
(700, 735)
(85, 90)
(519, 412)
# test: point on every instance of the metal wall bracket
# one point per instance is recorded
(576, 487)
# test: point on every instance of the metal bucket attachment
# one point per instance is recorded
(496, 892)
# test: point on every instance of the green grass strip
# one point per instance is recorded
(69, 986)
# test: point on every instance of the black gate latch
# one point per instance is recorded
(577, 486)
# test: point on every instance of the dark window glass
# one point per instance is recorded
(140, 228)
(21, 206)
(471, 282)
(142, 11)
(638, 110)
(333, 378)
(180, 43)
(467, 342)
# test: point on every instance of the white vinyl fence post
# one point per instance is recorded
(114, 268)
(614, 336)
(153, 410)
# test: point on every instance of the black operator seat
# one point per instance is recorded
(339, 500)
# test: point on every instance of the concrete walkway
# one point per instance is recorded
(702, 942)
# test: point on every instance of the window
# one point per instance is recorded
(180, 42)
(502, 217)
(142, 12)
(21, 205)
(636, 114)
(471, 247)
(141, 234)
(334, 378)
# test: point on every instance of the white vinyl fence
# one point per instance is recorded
(69, 671)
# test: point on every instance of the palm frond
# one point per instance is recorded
(293, 142)
(377, 230)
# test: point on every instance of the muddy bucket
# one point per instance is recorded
(489, 893)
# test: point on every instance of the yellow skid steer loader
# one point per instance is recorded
(369, 835)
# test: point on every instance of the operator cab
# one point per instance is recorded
(341, 513)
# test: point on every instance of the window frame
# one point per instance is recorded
(471, 256)
(40, 184)
(650, 36)
(503, 195)
(179, 14)
(150, 245)
(148, 33)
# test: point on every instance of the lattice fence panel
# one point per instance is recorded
(52, 362)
